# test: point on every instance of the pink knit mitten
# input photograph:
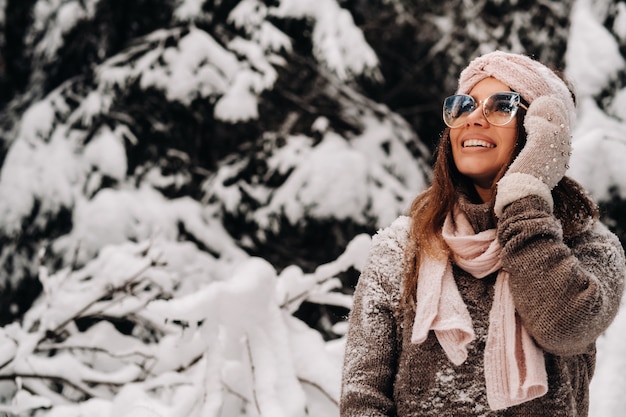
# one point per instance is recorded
(543, 161)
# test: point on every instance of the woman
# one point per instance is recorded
(488, 298)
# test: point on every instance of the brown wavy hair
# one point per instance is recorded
(430, 208)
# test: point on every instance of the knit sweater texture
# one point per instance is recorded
(566, 291)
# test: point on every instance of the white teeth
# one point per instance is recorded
(477, 143)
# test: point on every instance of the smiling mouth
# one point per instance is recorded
(475, 143)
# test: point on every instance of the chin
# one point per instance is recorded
(483, 181)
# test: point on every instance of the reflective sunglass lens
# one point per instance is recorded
(456, 107)
(500, 108)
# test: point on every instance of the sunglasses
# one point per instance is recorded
(498, 109)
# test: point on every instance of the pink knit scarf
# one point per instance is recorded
(514, 365)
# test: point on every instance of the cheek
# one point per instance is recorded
(453, 142)
(453, 137)
(454, 134)
(511, 142)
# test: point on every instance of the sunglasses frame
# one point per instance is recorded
(516, 105)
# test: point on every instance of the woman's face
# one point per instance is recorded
(480, 149)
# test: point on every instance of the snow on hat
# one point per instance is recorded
(522, 74)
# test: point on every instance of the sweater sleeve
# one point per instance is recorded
(565, 294)
(371, 347)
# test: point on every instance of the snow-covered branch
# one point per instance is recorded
(124, 320)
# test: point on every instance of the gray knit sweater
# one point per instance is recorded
(566, 292)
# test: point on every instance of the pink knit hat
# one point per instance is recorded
(522, 74)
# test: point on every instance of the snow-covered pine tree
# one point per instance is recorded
(180, 177)
(192, 100)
